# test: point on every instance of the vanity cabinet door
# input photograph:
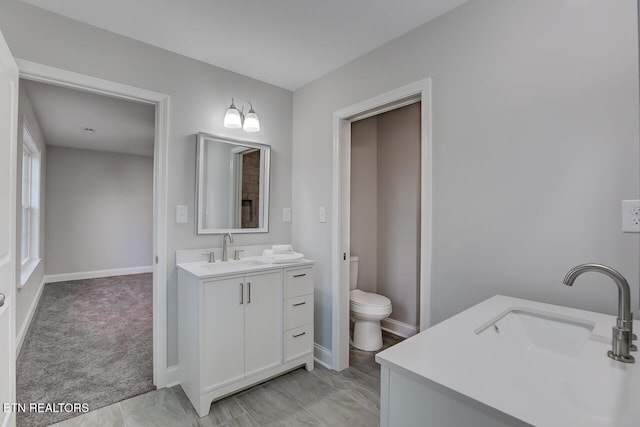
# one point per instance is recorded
(223, 323)
(263, 322)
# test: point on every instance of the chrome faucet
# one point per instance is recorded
(225, 256)
(621, 343)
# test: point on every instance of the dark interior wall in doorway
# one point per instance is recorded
(385, 207)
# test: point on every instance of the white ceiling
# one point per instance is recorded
(288, 43)
(120, 126)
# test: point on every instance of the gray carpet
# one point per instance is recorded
(90, 341)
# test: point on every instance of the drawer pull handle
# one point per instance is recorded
(300, 275)
(299, 335)
(299, 304)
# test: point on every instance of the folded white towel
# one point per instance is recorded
(272, 258)
(282, 249)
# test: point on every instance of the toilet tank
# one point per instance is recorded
(353, 270)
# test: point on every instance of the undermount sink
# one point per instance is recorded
(235, 265)
(525, 330)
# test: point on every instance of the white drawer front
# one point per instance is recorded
(298, 312)
(298, 282)
(298, 342)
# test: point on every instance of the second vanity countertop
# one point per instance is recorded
(581, 386)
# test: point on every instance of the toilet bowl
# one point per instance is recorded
(367, 310)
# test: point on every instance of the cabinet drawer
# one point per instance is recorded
(298, 342)
(298, 312)
(298, 282)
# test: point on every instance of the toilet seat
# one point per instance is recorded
(369, 303)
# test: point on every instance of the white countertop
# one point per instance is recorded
(254, 264)
(588, 390)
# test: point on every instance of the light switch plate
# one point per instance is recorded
(322, 214)
(182, 214)
(286, 214)
(631, 216)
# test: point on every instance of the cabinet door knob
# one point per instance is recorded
(1, 300)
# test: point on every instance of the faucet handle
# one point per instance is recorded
(211, 255)
(236, 254)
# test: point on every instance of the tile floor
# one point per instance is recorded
(300, 398)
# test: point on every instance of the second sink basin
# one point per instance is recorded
(525, 330)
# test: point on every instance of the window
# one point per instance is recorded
(29, 237)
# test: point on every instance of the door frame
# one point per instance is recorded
(340, 231)
(60, 77)
(9, 248)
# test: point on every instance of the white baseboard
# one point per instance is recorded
(52, 278)
(322, 356)
(172, 376)
(399, 328)
(22, 333)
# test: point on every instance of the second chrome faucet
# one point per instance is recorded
(622, 340)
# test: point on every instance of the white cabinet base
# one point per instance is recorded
(232, 331)
(205, 400)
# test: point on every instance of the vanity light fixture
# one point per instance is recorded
(236, 119)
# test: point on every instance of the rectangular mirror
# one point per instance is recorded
(232, 193)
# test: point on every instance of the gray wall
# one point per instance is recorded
(535, 143)
(385, 207)
(399, 211)
(199, 95)
(99, 211)
(27, 294)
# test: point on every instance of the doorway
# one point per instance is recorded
(91, 327)
(385, 213)
(63, 78)
(341, 245)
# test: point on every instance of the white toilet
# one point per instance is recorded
(367, 310)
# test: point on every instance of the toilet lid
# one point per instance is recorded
(367, 298)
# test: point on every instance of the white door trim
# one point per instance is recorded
(59, 77)
(8, 247)
(420, 90)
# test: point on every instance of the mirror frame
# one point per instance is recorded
(202, 137)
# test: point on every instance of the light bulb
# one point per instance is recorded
(232, 118)
(251, 122)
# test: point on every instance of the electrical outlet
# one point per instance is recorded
(631, 216)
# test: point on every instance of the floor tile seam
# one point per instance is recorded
(363, 405)
(253, 420)
(239, 403)
(315, 417)
(184, 412)
(119, 410)
(306, 407)
(368, 406)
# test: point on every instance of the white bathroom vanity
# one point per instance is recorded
(241, 323)
(510, 362)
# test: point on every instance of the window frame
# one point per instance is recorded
(30, 205)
